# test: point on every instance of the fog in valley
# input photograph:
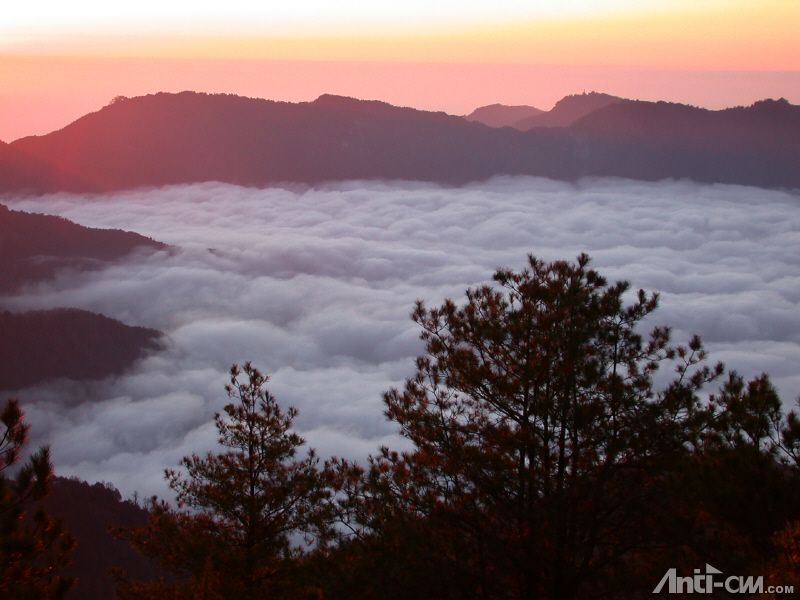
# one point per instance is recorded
(315, 287)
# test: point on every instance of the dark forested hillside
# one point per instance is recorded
(34, 247)
(88, 512)
(189, 137)
(40, 345)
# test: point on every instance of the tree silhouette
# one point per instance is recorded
(742, 480)
(785, 567)
(790, 437)
(543, 454)
(244, 514)
(34, 547)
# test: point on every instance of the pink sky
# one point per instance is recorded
(50, 93)
(59, 64)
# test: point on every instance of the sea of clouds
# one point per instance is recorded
(315, 286)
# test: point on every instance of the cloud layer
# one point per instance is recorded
(315, 287)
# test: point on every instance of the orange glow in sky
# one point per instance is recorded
(60, 60)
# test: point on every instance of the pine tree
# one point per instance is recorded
(543, 456)
(34, 547)
(245, 514)
(742, 480)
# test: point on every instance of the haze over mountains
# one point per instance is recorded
(189, 137)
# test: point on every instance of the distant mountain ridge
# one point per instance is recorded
(757, 144)
(189, 137)
(763, 122)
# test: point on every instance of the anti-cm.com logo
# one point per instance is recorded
(713, 580)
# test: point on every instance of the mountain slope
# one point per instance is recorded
(188, 137)
(37, 346)
(20, 172)
(502, 115)
(34, 247)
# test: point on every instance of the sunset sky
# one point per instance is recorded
(59, 60)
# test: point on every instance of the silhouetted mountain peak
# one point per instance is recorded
(364, 107)
(502, 115)
(770, 105)
(337, 101)
(568, 110)
(586, 99)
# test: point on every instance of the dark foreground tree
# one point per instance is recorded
(34, 547)
(743, 480)
(545, 462)
(245, 514)
(784, 569)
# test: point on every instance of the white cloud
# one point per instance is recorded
(315, 287)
